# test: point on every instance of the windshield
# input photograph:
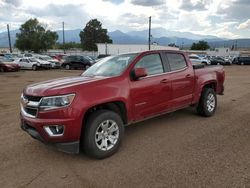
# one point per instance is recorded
(5, 60)
(46, 58)
(110, 66)
(33, 60)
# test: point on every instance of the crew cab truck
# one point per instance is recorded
(89, 111)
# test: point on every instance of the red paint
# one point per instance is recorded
(143, 98)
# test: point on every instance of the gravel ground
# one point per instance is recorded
(179, 149)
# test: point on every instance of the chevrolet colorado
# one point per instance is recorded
(89, 111)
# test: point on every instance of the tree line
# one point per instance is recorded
(34, 37)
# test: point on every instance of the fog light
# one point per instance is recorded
(54, 130)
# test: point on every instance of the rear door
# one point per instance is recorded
(150, 95)
(182, 78)
(24, 63)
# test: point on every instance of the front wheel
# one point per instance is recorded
(34, 67)
(103, 134)
(208, 102)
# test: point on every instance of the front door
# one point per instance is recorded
(150, 95)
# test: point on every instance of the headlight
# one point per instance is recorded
(55, 102)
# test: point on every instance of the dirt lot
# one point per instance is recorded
(180, 149)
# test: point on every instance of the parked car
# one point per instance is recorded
(33, 63)
(195, 59)
(100, 56)
(90, 110)
(242, 60)
(58, 57)
(54, 62)
(7, 65)
(7, 56)
(219, 61)
(228, 60)
(77, 62)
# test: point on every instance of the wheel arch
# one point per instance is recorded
(118, 107)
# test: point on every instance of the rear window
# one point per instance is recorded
(176, 61)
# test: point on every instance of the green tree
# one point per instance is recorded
(34, 37)
(92, 34)
(201, 45)
(68, 45)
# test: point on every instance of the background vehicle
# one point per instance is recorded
(54, 62)
(33, 63)
(195, 59)
(93, 108)
(242, 60)
(219, 61)
(7, 65)
(77, 62)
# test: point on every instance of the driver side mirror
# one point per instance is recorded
(139, 73)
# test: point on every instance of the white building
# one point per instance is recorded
(115, 49)
(223, 52)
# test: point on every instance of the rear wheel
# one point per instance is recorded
(67, 67)
(208, 102)
(1, 69)
(103, 134)
(86, 67)
(34, 67)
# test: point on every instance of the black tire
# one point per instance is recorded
(67, 67)
(34, 67)
(86, 67)
(1, 69)
(204, 108)
(93, 124)
(204, 63)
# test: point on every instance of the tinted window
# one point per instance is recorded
(152, 63)
(176, 61)
(193, 57)
(24, 60)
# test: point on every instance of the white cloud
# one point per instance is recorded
(222, 18)
(244, 25)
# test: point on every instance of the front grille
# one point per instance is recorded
(33, 98)
(30, 105)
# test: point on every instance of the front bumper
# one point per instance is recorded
(34, 127)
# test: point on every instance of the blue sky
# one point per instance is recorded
(222, 18)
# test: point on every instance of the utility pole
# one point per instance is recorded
(149, 34)
(63, 39)
(8, 28)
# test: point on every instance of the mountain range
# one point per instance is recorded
(160, 36)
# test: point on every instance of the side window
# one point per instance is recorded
(152, 63)
(24, 60)
(176, 61)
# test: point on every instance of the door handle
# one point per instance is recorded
(164, 81)
(188, 76)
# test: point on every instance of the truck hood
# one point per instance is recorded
(57, 86)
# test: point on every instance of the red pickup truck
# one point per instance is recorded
(89, 111)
